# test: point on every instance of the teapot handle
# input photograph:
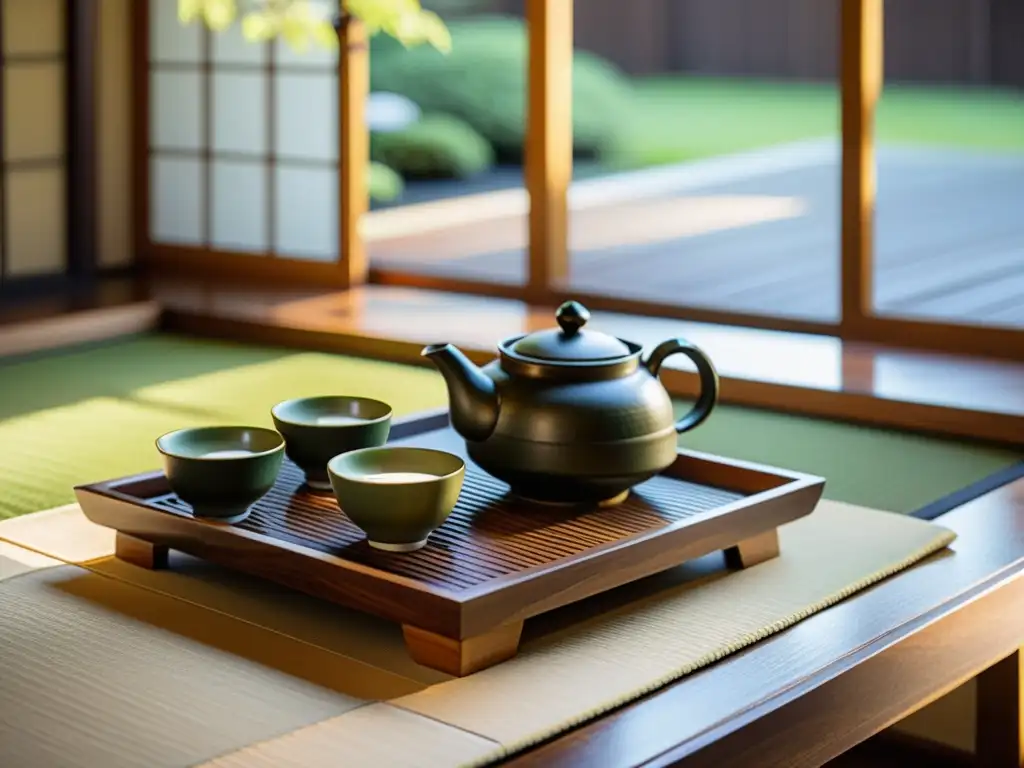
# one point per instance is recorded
(705, 370)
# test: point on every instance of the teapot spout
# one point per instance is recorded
(472, 397)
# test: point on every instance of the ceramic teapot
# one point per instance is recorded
(569, 415)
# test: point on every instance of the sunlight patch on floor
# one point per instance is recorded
(496, 206)
(636, 223)
(653, 221)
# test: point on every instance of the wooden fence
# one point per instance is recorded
(935, 41)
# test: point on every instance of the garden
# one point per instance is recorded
(449, 98)
(471, 106)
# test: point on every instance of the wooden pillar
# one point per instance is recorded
(861, 77)
(354, 147)
(549, 140)
(82, 19)
(1000, 714)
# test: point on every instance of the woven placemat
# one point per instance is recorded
(574, 664)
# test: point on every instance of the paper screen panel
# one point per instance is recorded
(36, 221)
(176, 109)
(176, 200)
(306, 212)
(306, 116)
(230, 47)
(239, 113)
(33, 111)
(169, 39)
(33, 28)
(239, 199)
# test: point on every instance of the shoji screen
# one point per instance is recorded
(33, 226)
(243, 142)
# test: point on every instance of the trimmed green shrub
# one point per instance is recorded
(437, 146)
(483, 81)
(384, 183)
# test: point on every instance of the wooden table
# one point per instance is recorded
(810, 693)
(807, 695)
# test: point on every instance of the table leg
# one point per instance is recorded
(754, 550)
(1000, 714)
(141, 553)
(466, 656)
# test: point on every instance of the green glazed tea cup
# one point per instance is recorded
(397, 495)
(316, 429)
(221, 471)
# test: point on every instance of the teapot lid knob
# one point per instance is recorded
(571, 317)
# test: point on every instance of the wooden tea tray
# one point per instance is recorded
(462, 599)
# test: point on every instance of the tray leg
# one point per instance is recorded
(466, 656)
(141, 553)
(754, 550)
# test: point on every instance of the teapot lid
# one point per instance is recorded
(569, 342)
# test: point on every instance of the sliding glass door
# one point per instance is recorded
(713, 182)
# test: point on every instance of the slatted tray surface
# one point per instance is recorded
(488, 534)
(495, 562)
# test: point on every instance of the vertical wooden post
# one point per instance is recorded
(1000, 714)
(354, 147)
(549, 140)
(861, 70)
(82, 19)
(140, 104)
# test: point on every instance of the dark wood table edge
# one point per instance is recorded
(969, 493)
(759, 732)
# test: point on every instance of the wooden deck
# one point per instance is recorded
(949, 241)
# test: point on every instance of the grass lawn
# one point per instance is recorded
(686, 118)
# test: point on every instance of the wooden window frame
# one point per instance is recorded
(547, 175)
(861, 79)
(353, 154)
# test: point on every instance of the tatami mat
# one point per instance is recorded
(617, 656)
(377, 736)
(83, 415)
(101, 673)
(65, 533)
(15, 561)
(573, 664)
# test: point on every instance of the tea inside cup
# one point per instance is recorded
(397, 495)
(221, 471)
(316, 429)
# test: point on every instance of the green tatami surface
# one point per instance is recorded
(93, 414)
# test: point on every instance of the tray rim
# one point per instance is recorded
(472, 604)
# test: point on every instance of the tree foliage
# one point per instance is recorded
(304, 22)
